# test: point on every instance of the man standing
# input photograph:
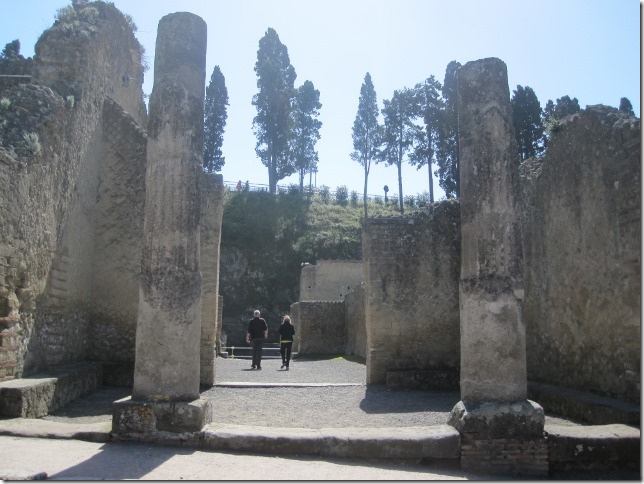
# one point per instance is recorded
(255, 335)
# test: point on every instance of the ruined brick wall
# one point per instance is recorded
(412, 267)
(582, 243)
(50, 165)
(118, 231)
(329, 280)
(320, 327)
(356, 321)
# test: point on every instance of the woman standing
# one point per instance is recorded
(286, 331)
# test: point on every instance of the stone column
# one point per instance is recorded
(166, 373)
(501, 431)
(212, 212)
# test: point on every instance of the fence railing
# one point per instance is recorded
(259, 187)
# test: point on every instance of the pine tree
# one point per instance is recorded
(366, 131)
(273, 124)
(306, 131)
(528, 127)
(429, 107)
(399, 132)
(448, 161)
(215, 115)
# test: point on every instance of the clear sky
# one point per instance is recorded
(588, 49)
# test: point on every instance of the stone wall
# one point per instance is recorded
(356, 322)
(320, 327)
(329, 280)
(412, 267)
(117, 240)
(582, 246)
(50, 167)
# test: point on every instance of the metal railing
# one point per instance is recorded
(259, 187)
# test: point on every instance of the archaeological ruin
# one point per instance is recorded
(110, 254)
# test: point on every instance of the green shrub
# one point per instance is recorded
(325, 194)
(341, 195)
(33, 142)
(354, 198)
(5, 103)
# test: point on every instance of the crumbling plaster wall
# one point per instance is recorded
(412, 267)
(582, 266)
(50, 165)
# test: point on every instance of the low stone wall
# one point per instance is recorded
(320, 327)
(40, 395)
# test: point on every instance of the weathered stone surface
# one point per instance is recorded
(320, 327)
(584, 406)
(50, 165)
(614, 446)
(39, 395)
(169, 316)
(582, 251)
(446, 379)
(501, 431)
(521, 419)
(354, 311)
(329, 280)
(433, 442)
(411, 303)
(135, 417)
(210, 240)
(493, 359)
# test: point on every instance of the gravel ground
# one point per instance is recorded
(357, 405)
(317, 407)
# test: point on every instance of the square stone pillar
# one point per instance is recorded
(212, 213)
(501, 431)
(167, 361)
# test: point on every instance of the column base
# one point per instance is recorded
(501, 438)
(129, 416)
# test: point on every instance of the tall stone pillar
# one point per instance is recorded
(166, 372)
(212, 206)
(501, 431)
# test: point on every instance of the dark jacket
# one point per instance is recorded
(286, 331)
(256, 328)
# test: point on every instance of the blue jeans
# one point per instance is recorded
(258, 344)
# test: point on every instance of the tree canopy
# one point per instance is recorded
(215, 115)
(448, 161)
(273, 123)
(306, 130)
(429, 107)
(528, 127)
(11, 51)
(366, 131)
(399, 132)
